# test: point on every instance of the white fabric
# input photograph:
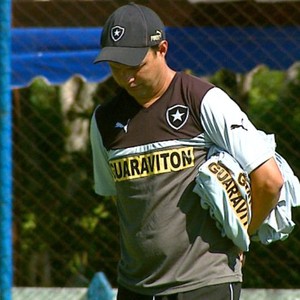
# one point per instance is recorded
(228, 127)
(215, 197)
(104, 183)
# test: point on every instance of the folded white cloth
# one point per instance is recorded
(224, 189)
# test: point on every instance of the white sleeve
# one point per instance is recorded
(227, 126)
(104, 183)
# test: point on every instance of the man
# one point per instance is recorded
(148, 144)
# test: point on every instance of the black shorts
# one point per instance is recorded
(225, 291)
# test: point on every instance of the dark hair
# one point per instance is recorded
(155, 48)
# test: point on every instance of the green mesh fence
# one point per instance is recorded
(63, 232)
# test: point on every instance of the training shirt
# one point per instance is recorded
(149, 158)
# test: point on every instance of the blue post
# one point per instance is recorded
(5, 153)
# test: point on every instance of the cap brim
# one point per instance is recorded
(122, 55)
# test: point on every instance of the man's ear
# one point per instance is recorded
(163, 47)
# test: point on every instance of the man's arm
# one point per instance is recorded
(266, 183)
(103, 178)
(248, 146)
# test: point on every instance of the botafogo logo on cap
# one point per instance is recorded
(117, 33)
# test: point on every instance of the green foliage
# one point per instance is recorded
(265, 97)
(274, 106)
(227, 81)
(56, 210)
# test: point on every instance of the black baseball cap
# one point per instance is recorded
(128, 33)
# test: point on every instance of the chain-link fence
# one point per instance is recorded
(63, 232)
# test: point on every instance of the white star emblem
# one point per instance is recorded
(117, 32)
(177, 116)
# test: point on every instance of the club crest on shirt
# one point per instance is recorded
(177, 116)
(117, 33)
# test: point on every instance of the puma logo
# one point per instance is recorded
(120, 125)
(234, 126)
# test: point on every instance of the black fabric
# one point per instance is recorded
(185, 90)
(226, 291)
